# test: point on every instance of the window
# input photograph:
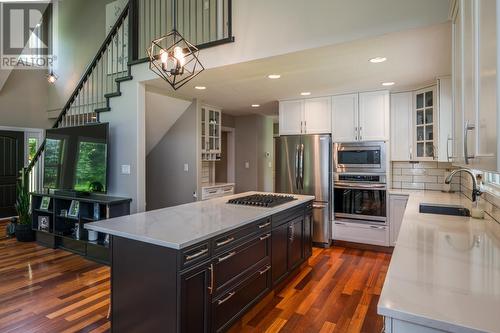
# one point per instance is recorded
(53, 162)
(492, 179)
(32, 147)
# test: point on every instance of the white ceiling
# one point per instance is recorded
(414, 57)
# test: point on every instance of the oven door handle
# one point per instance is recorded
(301, 161)
(359, 186)
(297, 167)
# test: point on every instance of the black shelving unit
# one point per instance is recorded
(61, 232)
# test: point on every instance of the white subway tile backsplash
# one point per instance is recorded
(412, 186)
(396, 185)
(445, 165)
(402, 165)
(436, 172)
(425, 165)
(396, 171)
(425, 179)
(419, 172)
(402, 178)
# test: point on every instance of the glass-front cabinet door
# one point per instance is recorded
(210, 133)
(425, 116)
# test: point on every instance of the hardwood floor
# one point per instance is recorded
(45, 290)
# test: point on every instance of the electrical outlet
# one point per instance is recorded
(270, 164)
(186, 167)
(247, 165)
(125, 169)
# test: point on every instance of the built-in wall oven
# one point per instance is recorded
(360, 198)
(359, 157)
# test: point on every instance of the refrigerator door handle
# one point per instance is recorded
(297, 167)
(302, 166)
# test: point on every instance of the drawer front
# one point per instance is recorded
(233, 238)
(229, 306)
(287, 215)
(194, 254)
(227, 190)
(361, 233)
(236, 263)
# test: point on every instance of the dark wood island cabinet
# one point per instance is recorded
(208, 285)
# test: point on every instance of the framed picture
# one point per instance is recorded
(44, 205)
(44, 223)
(74, 209)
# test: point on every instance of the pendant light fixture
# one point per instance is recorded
(52, 77)
(173, 58)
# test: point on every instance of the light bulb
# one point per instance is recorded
(178, 53)
(163, 56)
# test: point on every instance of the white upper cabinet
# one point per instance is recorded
(345, 118)
(307, 116)
(317, 115)
(401, 126)
(445, 115)
(475, 36)
(291, 115)
(373, 116)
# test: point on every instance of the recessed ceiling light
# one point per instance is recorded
(274, 76)
(255, 105)
(200, 87)
(386, 84)
(377, 60)
(305, 93)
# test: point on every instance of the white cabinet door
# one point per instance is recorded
(445, 114)
(397, 207)
(458, 120)
(468, 74)
(401, 126)
(291, 114)
(318, 115)
(374, 116)
(345, 118)
(487, 87)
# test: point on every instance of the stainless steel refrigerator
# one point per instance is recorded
(303, 166)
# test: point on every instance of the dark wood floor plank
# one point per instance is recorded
(46, 290)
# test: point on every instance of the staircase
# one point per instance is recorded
(206, 23)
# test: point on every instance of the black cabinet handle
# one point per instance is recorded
(231, 294)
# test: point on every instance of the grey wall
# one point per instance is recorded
(167, 184)
(221, 165)
(254, 136)
(23, 100)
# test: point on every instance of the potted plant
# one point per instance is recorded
(24, 232)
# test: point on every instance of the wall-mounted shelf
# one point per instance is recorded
(61, 230)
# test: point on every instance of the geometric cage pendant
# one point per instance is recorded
(174, 59)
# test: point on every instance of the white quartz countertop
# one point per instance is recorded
(445, 270)
(184, 225)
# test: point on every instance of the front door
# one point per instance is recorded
(11, 162)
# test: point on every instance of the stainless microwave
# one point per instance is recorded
(366, 157)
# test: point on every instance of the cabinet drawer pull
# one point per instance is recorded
(267, 224)
(196, 255)
(221, 259)
(266, 236)
(231, 294)
(268, 267)
(224, 242)
(211, 287)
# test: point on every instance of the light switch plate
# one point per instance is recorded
(247, 165)
(186, 167)
(125, 169)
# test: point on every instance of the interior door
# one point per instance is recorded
(314, 166)
(12, 158)
(345, 118)
(373, 116)
(287, 160)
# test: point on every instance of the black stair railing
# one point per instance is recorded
(204, 23)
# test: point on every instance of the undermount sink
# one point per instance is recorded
(441, 209)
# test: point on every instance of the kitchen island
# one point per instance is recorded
(199, 267)
(444, 274)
